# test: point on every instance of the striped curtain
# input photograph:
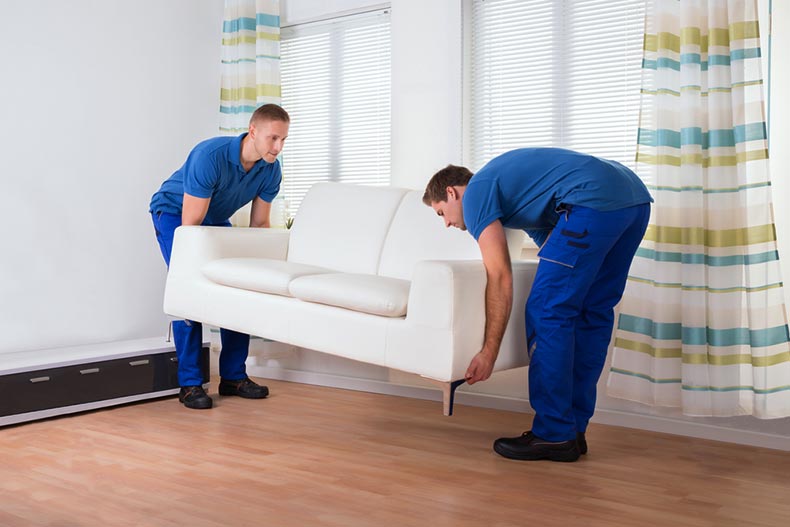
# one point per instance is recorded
(250, 78)
(250, 61)
(250, 69)
(702, 324)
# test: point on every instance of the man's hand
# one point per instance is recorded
(480, 368)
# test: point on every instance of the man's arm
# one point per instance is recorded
(194, 210)
(259, 215)
(499, 300)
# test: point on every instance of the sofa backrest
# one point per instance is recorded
(343, 227)
(417, 233)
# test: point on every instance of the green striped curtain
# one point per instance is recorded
(250, 61)
(702, 324)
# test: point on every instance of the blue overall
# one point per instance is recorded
(589, 216)
(212, 170)
(570, 312)
(188, 335)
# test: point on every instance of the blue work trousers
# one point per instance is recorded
(570, 312)
(188, 335)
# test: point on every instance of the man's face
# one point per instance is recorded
(268, 138)
(451, 211)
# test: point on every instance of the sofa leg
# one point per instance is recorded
(448, 395)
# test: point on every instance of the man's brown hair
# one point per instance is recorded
(449, 176)
(270, 112)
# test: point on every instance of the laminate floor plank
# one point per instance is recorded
(316, 456)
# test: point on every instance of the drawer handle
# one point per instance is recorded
(139, 362)
(39, 379)
(89, 371)
(173, 359)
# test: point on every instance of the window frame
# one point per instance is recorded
(334, 125)
(468, 102)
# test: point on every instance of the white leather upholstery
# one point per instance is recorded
(382, 245)
(377, 295)
(258, 274)
(344, 230)
(446, 321)
(417, 234)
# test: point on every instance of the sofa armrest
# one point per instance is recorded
(194, 246)
(448, 294)
(439, 288)
(445, 322)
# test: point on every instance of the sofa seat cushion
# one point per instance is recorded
(377, 295)
(258, 274)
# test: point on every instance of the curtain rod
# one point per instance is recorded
(340, 14)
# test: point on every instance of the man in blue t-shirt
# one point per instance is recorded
(588, 216)
(220, 176)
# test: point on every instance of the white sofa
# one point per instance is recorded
(366, 273)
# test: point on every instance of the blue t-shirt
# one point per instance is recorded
(524, 188)
(213, 170)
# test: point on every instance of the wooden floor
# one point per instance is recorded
(313, 456)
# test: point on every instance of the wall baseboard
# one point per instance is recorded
(602, 416)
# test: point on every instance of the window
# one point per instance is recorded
(563, 73)
(336, 88)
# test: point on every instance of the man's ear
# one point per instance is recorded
(451, 193)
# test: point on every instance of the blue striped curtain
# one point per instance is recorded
(250, 77)
(702, 324)
(250, 61)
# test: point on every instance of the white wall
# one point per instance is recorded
(100, 102)
(427, 89)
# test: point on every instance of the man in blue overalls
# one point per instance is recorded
(220, 176)
(588, 216)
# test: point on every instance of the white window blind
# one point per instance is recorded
(562, 73)
(336, 88)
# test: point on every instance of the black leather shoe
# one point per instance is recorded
(529, 447)
(582, 442)
(243, 388)
(195, 397)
